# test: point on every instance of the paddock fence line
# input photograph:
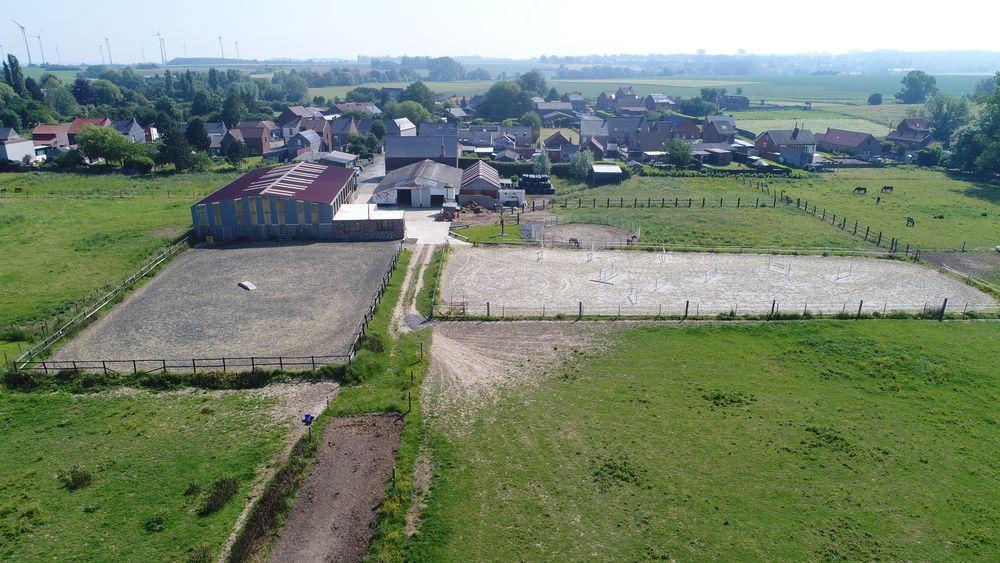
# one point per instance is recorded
(870, 234)
(194, 365)
(638, 307)
(970, 279)
(376, 297)
(85, 316)
(625, 244)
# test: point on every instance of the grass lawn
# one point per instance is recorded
(71, 235)
(491, 233)
(143, 451)
(792, 441)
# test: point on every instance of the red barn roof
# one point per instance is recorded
(305, 181)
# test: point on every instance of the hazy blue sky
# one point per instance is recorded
(506, 28)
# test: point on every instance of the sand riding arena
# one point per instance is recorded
(529, 281)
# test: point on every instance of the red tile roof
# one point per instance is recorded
(303, 181)
(81, 122)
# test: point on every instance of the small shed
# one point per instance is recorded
(605, 174)
(356, 222)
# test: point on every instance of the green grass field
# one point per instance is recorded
(794, 441)
(971, 211)
(830, 89)
(70, 235)
(143, 451)
(711, 226)
(815, 120)
(491, 233)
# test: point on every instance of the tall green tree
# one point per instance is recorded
(420, 93)
(236, 153)
(13, 75)
(61, 101)
(104, 143)
(197, 135)
(947, 114)
(175, 150)
(505, 100)
(917, 87)
(533, 83)
(233, 109)
(875, 99)
(678, 153)
(978, 146)
(531, 119)
(541, 164)
(581, 163)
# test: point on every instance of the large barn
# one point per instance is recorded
(422, 184)
(286, 202)
(404, 151)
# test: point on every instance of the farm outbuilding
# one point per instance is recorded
(363, 222)
(292, 201)
(422, 184)
(605, 174)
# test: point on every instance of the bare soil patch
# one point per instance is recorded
(599, 235)
(474, 364)
(335, 509)
(979, 264)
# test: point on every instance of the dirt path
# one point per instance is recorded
(405, 316)
(336, 508)
(474, 364)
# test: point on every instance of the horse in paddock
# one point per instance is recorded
(886, 189)
(860, 190)
(910, 222)
(574, 243)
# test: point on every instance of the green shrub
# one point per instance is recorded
(200, 554)
(140, 163)
(155, 523)
(75, 478)
(218, 496)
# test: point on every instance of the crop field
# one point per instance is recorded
(831, 89)
(150, 459)
(309, 300)
(73, 233)
(530, 282)
(947, 211)
(885, 114)
(816, 121)
(790, 441)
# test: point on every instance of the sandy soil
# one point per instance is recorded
(335, 509)
(309, 300)
(473, 364)
(422, 472)
(405, 316)
(525, 281)
(598, 235)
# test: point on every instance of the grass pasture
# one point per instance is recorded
(970, 211)
(791, 441)
(73, 233)
(143, 452)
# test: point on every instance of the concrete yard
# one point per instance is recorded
(530, 282)
(308, 301)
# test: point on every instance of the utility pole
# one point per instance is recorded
(108, 43)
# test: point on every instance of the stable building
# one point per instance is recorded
(293, 201)
(422, 184)
(404, 151)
